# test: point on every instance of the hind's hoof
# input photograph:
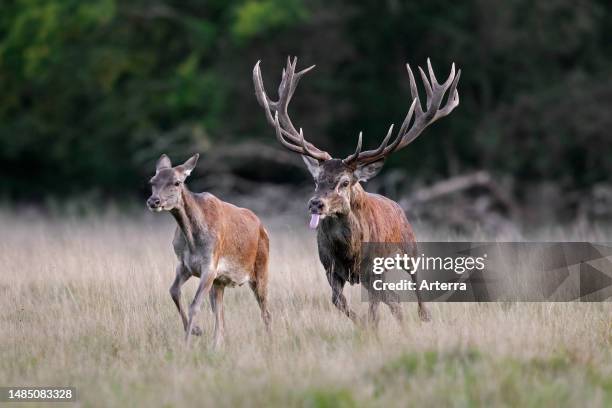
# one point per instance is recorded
(196, 331)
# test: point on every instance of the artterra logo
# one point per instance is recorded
(496, 271)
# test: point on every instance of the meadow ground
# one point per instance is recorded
(84, 302)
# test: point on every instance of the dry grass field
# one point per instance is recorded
(84, 302)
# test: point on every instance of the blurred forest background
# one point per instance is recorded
(94, 91)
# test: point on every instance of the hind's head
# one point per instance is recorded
(167, 183)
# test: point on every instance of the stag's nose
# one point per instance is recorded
(153, 202)
(315, 205)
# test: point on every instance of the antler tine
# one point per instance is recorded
(307, 150)
(409, 115)
(268, 104)
(285, 85)
(357, 150)
(303, 149)
(432, 76)
(372, 155)
(451, 76)
(410, 128)
(285, 92)
(260, 93)
(427, 87)
(453, 96)
(276, 111)
(297, 78)
(414, 90)
(434, 100)
(383, 146)
(281, 139)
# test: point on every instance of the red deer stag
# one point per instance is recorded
(345, 214)
(221, 244)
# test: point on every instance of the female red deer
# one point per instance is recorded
(346, 215)
(221, 244)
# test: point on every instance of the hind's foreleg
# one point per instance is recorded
(182, 276)
(207, 278)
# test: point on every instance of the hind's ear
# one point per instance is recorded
(189, 165)
(364, 173)
(313, 166)
(163, 163)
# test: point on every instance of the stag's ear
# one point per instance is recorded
(163, 163)
(313, 166)
(189, 165)
(364, 173)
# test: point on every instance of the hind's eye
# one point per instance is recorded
(177, 183)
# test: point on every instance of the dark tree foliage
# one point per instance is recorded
(94, 91)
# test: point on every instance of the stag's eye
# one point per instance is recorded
(177, 183)
(345, 183)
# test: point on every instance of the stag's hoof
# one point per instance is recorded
(424, 315)
(361, 322)
(196, 331)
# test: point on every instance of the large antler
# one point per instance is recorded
(435, 93)
(276, 111)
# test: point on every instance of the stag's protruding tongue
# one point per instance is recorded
(314, 220)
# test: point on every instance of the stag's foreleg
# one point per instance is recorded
(374, 299)
(392, 300)
(373, 316)
(338, 299)
(182, 276)
(207, 278)
(423, 312)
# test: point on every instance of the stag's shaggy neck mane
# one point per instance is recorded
(359, 198)
(349, 226)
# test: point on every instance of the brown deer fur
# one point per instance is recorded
(220, 243)
(352, 216)
(345, 215)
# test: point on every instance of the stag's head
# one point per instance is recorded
(336, 179)
(167, 183)
(335, 183)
